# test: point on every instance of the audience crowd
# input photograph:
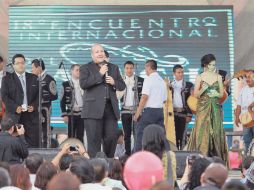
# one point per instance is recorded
(153, 168)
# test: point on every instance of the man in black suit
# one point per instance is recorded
(100, 80)
(20, 93)
(48, 94)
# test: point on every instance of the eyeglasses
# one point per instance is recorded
(19, 63)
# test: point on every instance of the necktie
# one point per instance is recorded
(24, 89)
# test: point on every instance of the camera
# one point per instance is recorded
(17, 126)
(73, 148)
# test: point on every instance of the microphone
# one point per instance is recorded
(60, 65)
(103, 63)
(40, 60)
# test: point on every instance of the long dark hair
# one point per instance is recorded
(197, 168)
(154, 140)
(115, 169)
(206, 59)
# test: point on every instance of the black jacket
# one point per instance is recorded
(12, 92)
(95, 89)
(66, 100)
(186, 92)
(12, 149)
(49, 91)
(139, 87)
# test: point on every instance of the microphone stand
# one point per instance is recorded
(40, 111)
(135, 101)
(72, 99)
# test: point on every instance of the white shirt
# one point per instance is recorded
(32, 179)
(156, 90)
(24, 89)
(1, 77)
(78, 95)
(245, 98)
(23, 75)
(177, 97)
(130, 82)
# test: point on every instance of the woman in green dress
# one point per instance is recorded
(208, 135)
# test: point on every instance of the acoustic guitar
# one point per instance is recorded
(169, 115)
(247, 118)
(192, 101)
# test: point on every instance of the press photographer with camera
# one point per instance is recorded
(13, 146)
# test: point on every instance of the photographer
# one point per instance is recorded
(75, 150)
(13, 147)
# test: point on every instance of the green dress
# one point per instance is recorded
(208, 135)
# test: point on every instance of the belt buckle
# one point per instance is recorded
(178, 110)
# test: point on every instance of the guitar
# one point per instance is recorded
(192, 100)
(169, 115)
(239, 75)
(247, 118)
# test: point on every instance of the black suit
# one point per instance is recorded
(12, 96)
(100, 107)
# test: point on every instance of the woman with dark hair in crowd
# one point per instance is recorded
(101, 170)
(194, 173)
(154, 140)
(20, 177)
(44, 174)
(114, 176)
(115, 169)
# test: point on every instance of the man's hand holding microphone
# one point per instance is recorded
(104, 71)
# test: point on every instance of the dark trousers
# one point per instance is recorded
(128, 128)
(45, 128)
(102, 130)
(149, 116)
(180, 124)
(31, 126)
(78, 127)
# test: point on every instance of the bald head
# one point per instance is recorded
(97, 53)
(215, 175)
